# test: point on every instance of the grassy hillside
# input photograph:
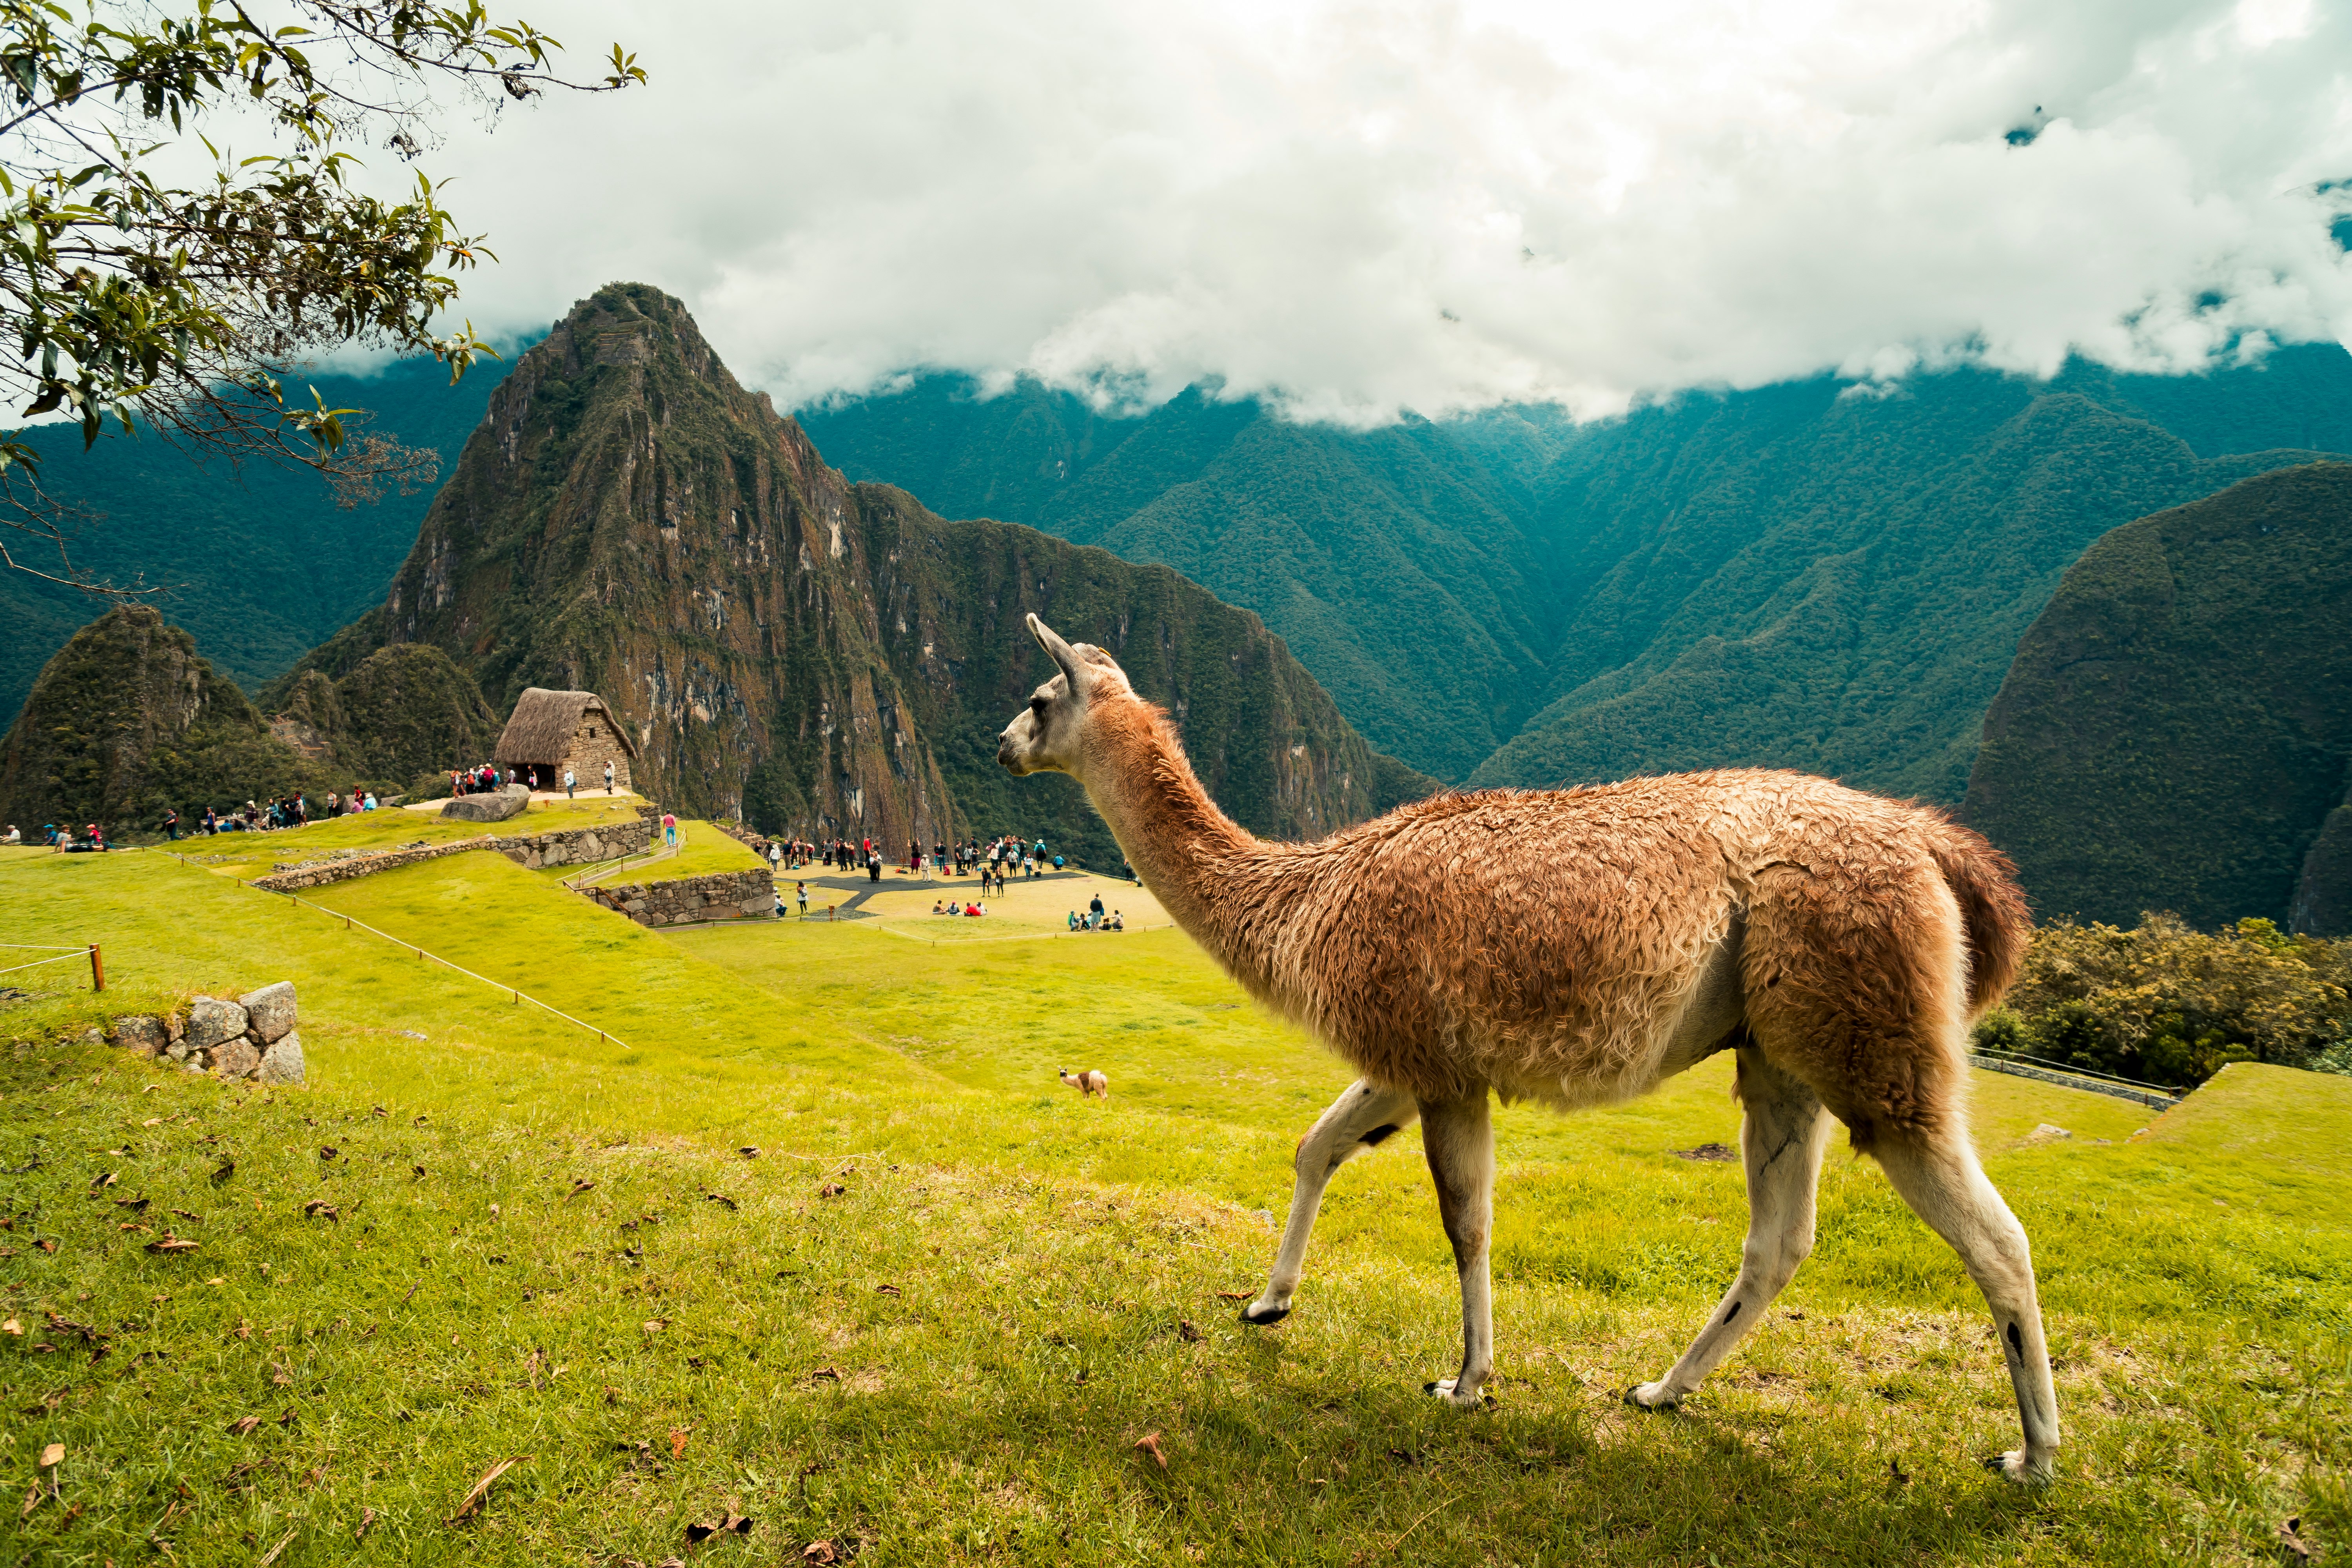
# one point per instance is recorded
(2177, 722)
(953, 1356)
(261, 564)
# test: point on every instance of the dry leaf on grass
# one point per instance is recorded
(184, 1213)
(732, 1524)
(830, 1190)
(244, 1424)
(367, 1522)
(482, 1488)
(1149, 1443)
(655, 1325)
(13, 1327)
(99, 1183)
(53, 1455)
(888, 1291)
(320, 1208)
(136, 1205)
(1187, 1332)
(2291, 1544)
(749, 1150)
(677, 1435)
(825, 1372)
(226, 1169)
(328, 1151)
(721, 1198)
(169, 1243)
(578, 1187)
(1235, 1296)
(819, 1552)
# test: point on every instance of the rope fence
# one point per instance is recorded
(81, 950)
(352, 924)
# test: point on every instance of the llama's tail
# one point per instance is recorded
(1992, 907)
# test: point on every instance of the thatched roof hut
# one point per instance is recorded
(554, 730)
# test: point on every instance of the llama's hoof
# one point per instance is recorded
(1652, 1396)
(1443, 1388)
(1262, 1315)
(2019, 1466)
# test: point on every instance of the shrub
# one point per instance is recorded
(2170, 1005)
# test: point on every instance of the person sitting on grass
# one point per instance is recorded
(1117, 921)
(940, 908)
(1074, 920)
(12, 835)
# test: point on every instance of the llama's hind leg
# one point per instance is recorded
(1360, 1119)
(1459, 1138)
(1781, 1139)
(1937, 1174)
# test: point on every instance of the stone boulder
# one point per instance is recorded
(283, 1062)
(511, 801)
(268, 1012)
(142, 1034)
(212, 1021)
(235, 1059)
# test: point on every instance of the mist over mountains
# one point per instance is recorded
(1798, 575)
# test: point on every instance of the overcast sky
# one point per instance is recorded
(1354, 209)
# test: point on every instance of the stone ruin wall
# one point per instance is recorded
(587, 755)
(252, 1037)
(721, 896)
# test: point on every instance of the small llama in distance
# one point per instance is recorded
(1088, 1082)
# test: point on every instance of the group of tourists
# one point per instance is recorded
(287, 811)
(1095, 918)
(61, 839)
(489, 778)
(954, 907)
(996, 860)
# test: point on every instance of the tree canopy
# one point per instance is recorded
(130, 294)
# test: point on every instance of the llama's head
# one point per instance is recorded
(1049, 735)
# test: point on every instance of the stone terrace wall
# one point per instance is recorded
(579, 846)
(295, 879)
(722, 896)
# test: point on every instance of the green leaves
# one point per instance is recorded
(122, 290)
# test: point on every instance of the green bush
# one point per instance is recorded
(2167, 1003)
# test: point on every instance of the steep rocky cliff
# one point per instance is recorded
(814, 656)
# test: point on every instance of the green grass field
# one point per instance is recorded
(952, 1357)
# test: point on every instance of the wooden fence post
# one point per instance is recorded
(97, 969)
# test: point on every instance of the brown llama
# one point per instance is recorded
(1087, 1081)
(1579, 947)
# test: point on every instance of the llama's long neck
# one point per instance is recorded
(1191, 854)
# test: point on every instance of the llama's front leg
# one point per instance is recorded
(1459, 1138)
(1781, 1139)
(1360, 1119)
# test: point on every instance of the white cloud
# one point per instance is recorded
(1359, 208)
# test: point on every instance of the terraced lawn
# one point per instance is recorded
(954, 1355)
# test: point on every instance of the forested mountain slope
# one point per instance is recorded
(2178, 724)
(821, 656)
(1801, 575)
(261, 563)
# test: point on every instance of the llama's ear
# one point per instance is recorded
(1063, 654)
